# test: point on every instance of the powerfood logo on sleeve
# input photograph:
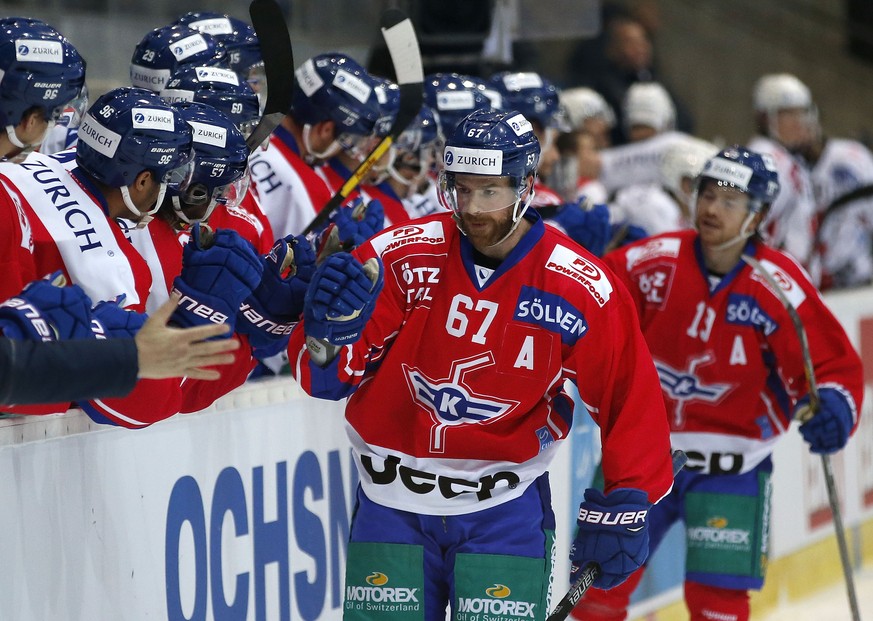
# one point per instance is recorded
(496, 605)
(378, 595)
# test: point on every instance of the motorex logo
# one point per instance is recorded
(377, 591)
(551, 312)
(451, 401)
(496, 605)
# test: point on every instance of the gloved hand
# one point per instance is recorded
(613, 531)
(341, 297)
(273, 309)
(215, 278)
(44, 311)
(587, 227)
(828, 430)
(623, 233)
(350, 226)
(110, 320)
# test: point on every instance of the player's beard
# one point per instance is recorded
(486, 230)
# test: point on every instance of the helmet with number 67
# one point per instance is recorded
(131, 130)
(492, 143)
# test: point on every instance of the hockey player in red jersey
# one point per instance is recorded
(732, 377)
(455, 373)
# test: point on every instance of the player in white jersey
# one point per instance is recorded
(783, 107)
(41, 75)
(666, 205)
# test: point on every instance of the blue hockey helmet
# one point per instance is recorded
(221, 171)
(165, 49)
(453, 96)
(419, 148)
(129, 130)
(238, 38)
(220, 88)
(493, 143)
(388, 96)
(334, 87)
(532, 95)
(39, 68)
(749, 172)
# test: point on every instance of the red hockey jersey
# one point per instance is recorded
(457, 382)
(728, 357)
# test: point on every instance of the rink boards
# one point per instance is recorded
(242, 512)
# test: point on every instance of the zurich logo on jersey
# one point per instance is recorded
(451, 402)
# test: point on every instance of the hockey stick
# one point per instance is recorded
(805, 415)
(592, 570)
(402, 45)
(275, 44)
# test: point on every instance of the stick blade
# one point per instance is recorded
(399, 35)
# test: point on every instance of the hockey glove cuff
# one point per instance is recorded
(110, 320)
(613, 531)
(829, 429)
(269, 314)
(350, 226)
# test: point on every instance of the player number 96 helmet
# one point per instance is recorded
(39, 69)
(129, 130)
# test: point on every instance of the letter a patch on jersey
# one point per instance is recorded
(526, 351)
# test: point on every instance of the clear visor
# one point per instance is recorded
(196, 204)
(357, 146)
(70, 114)
(474, 194)
(177, 179)
(258, 81)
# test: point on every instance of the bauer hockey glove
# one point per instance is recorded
(349, 227)
(44, 311)
(111, 320)
(613, 531)
(588, 227)
(268, 315)
(341, 297)
(215, 278)
(829, 428)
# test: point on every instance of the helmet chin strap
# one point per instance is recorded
(331, 150)
(743, 235)
(142, 218)
(14, 139)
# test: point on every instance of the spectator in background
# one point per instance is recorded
(628, 57)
